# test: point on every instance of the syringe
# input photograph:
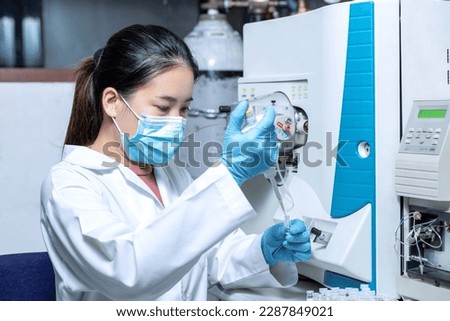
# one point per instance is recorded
(270, 175)
(287, 218)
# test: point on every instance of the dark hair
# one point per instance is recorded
(131, 58)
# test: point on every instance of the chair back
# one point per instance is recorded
(27, 277)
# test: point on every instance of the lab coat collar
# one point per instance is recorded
(91, 159)
(88, 158)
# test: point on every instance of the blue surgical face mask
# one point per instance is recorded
(157, 138)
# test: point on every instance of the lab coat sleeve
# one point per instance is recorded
(125, 263)
(238, 262)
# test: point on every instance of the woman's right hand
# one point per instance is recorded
(251, 153)
(293, 246)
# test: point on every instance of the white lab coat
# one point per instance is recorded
(109, 238)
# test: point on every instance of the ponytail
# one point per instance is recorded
(86, 116)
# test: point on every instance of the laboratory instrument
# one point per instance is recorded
(217, 48)
(291, 128)
(422, 176)
(423, 161)
(356, 79)
(291, 124)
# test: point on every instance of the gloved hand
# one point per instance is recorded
(251, 153)
(294, 246)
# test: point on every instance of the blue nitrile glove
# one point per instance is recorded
(294, 246)
(251, 153)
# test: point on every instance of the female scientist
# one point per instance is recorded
(121, 221)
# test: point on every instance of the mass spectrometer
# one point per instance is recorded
(356, 71)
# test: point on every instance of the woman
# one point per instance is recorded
(121, 221)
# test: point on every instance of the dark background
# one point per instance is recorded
(62, 32)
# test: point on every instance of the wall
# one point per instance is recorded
(33, 122)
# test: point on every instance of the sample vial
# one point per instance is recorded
(250, 118)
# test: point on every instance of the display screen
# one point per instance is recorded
(432, 113)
